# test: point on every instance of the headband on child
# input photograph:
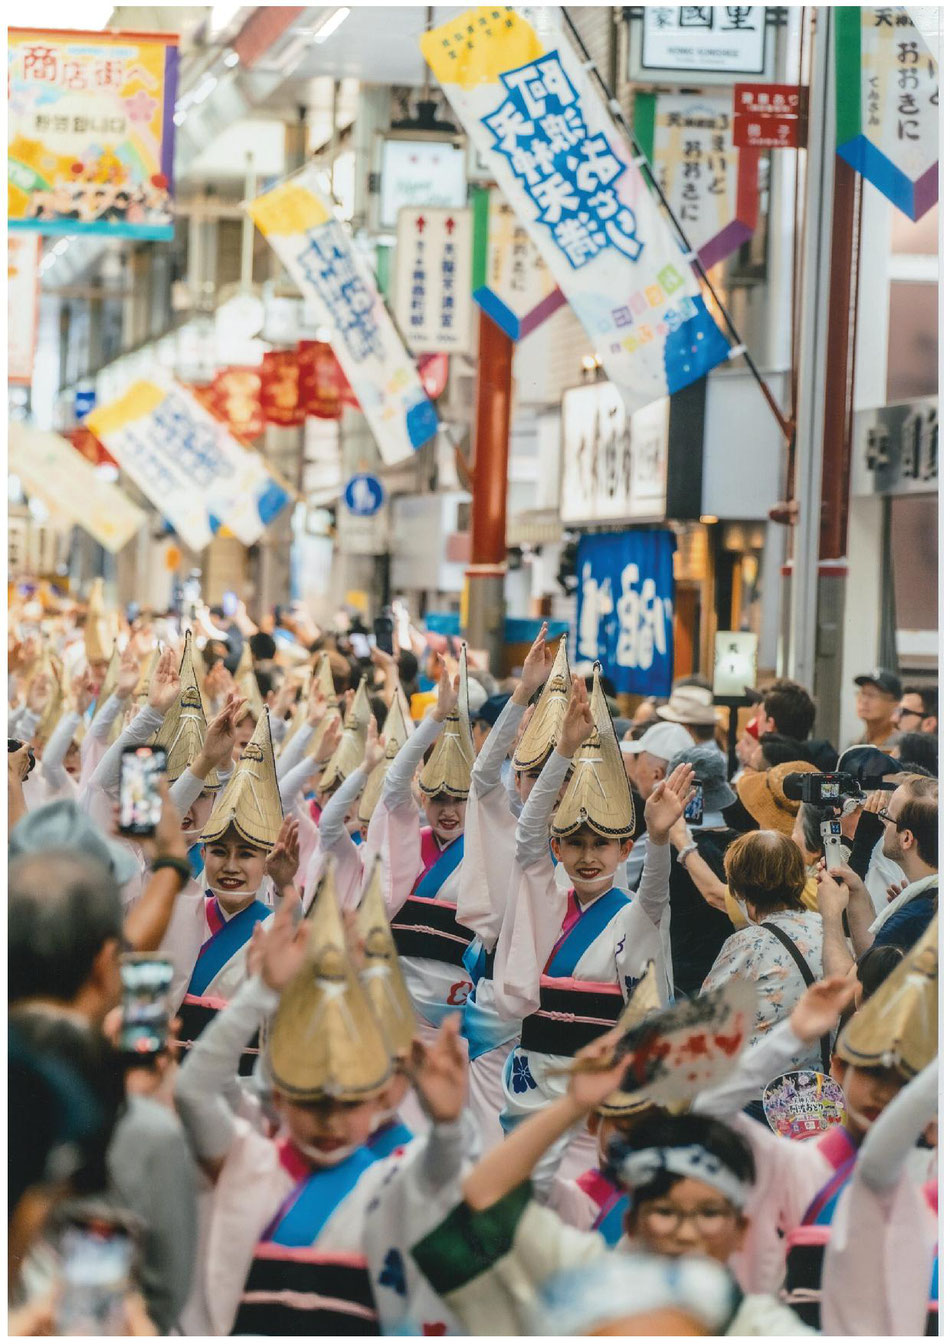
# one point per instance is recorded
(638, 1167)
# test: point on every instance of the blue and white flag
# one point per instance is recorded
(535, 115)
(625, 608)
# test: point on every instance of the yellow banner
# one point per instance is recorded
(52, 469)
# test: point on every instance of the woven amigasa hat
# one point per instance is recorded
(299, 716)
(110, 680)
(96, 629)
(449, 768)
(184, 728)
(380, 975)
(59, 693)
(149, 666)
(324, 676)
(395, 735)
(598, 794)
(250, 801)
(349, 754)
(898, 1026)
(541, 735)
(325, 1043)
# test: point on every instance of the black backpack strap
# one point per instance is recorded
(805, 971)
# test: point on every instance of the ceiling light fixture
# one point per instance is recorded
(330, 25)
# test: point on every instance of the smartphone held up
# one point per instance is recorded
(140, 799)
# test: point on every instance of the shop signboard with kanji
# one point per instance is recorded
(614, 464)
(23, 297)
(280, 388)
(432, 284)
(887, 102)
(625, 608)
(188, 464)
(567, 171)
(707, 39)
(769, 116)
(322, 387)
(511, 281)
(90, 135)
(711, 186)
(298, 221)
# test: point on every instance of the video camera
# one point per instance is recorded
(829, 790)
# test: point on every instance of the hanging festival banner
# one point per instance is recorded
(534, 114)
(434, 372)
(297, 220)
(711, 186)
(510, 278)
(185, 460)
(89, 447)
(432, 279)
(625, 608)
(280, 388)
(887, 102)
(90, 141)
(23, 298)
(322, 388)
(51, 468)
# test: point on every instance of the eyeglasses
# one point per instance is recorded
(885, 817)
(664, 1219)
(903, 712)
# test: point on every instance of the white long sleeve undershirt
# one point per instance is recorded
(397, 788)
(486, 772)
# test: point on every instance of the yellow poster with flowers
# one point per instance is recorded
(90, 139)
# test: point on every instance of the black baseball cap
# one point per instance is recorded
(884, 679)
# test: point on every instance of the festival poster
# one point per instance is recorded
(317, 249)
(888, 106)
(625, 608)
(280, 389)
(68, 484)
(712, 186)
(23, 297)
(90, 141)
(511, 281)
(536, 117)
(803, 1104)
(188, 464)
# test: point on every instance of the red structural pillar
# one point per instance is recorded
(484, 610)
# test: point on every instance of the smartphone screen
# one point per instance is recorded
(229, 603)
(383, 629)
(360, 645)
(96, 1272)
(146, 981)
(693, 812)
(140, 803)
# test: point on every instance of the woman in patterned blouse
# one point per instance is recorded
(766, 873)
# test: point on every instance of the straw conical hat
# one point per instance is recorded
(449, 768)
(59, 694)
(644, 1000)
(251, 692)
(245, 662)
(349, 754)
(110, 680)
(598, 794)
(299, 716)
(96, 633)
(250, 801)
(381, 976)
(325, 1041)
(184, 727)
(897, 1028)
(324, 677)
(541, 735)
(149, 666)
(395, 735)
